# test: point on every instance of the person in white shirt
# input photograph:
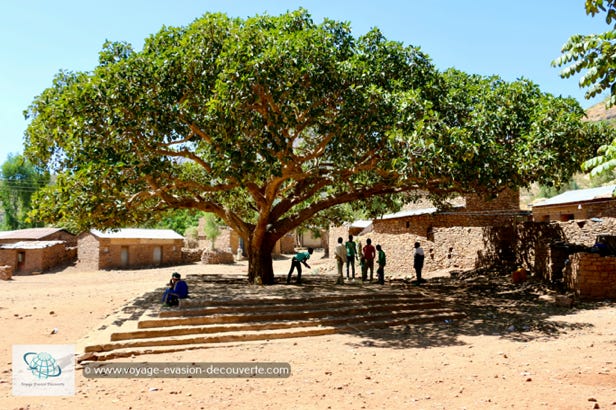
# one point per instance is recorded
(341, 258)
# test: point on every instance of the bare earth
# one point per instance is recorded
(508, 353)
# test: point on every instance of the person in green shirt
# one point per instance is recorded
(351, 253)
(380, 272)
(296, 263)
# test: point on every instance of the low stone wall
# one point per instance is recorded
(592, 276)
(6, 272)
(217, 257)
(191, 255)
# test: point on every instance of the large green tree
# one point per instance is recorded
(273, 121)
(19, 180)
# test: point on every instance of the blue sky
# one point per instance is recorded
(512, 39)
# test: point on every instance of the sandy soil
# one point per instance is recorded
(510, 352)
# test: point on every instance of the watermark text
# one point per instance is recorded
(147, 370)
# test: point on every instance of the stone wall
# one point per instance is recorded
(449, 248)
(507, 200)
(592, 276)
(504, 242)
(88, 252)
(191, 255)
(216, 257)
(6, 272)
(226, 241)
(584, 232)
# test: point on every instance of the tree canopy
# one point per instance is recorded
(594, 56)
(271, 121)
(19, 180)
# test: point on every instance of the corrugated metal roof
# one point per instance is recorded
(410, 212)
(360, 224)
(30, 244)
(136, 233)
(29, 234)
(580, 195)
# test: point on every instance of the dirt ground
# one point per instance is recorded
(512, 351)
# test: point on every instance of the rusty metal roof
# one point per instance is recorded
(30, 244)
(31, 234)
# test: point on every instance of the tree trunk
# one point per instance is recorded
(260, 263)
(325, 243)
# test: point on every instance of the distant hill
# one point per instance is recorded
(598, 112)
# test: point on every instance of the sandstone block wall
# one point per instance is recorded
(88, 252)
(209, 257)
(450, 248)
(592, 276)
(505, 241)
(6, 272)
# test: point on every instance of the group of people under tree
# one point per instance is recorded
(347, 252)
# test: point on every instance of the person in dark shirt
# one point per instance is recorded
(418, 262)
(381, 261)
(176, 289)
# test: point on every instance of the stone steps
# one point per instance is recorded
(298, 320)
(287, 313)
(232, 335)
(279, 314)
(224, 310)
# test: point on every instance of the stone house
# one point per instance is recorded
(35, 256)
(578, 204)
(36, 249)
(129, 248)
(462, 237)
(496, 232)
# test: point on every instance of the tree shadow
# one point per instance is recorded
(493, 306)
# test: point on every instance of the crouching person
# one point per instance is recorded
(176, 289)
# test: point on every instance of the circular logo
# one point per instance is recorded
(42, 365)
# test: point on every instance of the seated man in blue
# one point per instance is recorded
(176, 289)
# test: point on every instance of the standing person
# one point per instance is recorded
(369, 254)
(364, 268)
(176, 289)
(341, 258)
(418, 261)
(380, 272)
(296, 263)
(351, 253)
